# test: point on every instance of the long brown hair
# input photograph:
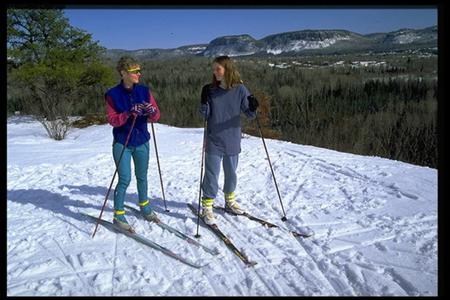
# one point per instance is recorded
(231, 76)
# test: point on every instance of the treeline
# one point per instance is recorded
(387, 110)
(394, 118)
(53, 69)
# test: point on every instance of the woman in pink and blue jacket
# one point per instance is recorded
(124, 102)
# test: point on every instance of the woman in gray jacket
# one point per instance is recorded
(222, 102)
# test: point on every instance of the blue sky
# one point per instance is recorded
(142, 27)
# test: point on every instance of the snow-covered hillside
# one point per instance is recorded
(375, 221)
(299, 45)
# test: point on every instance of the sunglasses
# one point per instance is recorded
(134, 71)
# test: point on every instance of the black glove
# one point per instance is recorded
(252, 103)
(205, 94)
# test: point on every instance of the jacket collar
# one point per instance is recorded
(128, 90)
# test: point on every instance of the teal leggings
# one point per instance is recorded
(140, 156)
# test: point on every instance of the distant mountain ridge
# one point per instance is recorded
(296, 43)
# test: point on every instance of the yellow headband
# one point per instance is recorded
(135, 69)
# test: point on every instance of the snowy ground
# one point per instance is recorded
(375, 221)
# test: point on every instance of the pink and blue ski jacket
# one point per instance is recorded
(119, 101)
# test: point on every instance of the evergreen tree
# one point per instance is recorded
(56, 66)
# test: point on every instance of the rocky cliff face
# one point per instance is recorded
(296, 42)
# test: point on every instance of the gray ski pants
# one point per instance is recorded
(210, 184)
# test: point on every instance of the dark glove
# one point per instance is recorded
(204, 110)
(205, 94)
(252, 103)
(148, 109)
(137, 110)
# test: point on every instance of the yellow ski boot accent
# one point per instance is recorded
(207, 213)
(120, 221)
(231, 204)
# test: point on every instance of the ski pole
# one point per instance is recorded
(201, 176)
(159, 168)
(270, 164)
(114, 176)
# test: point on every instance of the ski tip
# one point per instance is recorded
(251, 263)
(302, 235)
(205, 265)
(196, 266)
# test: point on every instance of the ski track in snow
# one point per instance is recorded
(375, 221)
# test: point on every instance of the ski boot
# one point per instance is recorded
(120, 221)
(148, 212)
(231, 204)
(207, 213)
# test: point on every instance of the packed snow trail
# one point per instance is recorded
(375, 221)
